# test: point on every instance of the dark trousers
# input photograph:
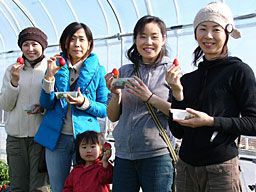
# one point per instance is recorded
(23, 157)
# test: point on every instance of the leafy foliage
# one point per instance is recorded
(4, 176)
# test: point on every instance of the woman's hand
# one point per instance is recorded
(138, 88)
(173, 76)
(36, 109)
(109, 79)
(52, 68)
(199, 119)
(79, 100)
(15, 73)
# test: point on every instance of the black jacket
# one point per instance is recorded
(226, 90)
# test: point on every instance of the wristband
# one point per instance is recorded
(149, 97)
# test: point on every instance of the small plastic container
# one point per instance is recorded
(181, 114)
(60, 95)
(28, 108)
(120, 83)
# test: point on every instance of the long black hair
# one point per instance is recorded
(133, 53)
(91, 137)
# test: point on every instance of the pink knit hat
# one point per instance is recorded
(219, 13)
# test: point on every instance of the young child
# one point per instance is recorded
(93, 172)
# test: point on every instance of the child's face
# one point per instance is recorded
(89, 152)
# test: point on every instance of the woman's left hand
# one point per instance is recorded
(79, 100)
(36, 109)
(52, 68)
(138, 88)
(199, 119)
(173, 76)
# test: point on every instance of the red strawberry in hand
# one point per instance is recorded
(20, 60)
(62, 61)
(115, 72)
(175, 62)
(107, 146)
(106, 151)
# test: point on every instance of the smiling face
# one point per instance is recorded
(89, 152)
(78, 46)
(149, 42)
(32, 50)
(211, 38)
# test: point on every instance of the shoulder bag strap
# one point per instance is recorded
(162, 131)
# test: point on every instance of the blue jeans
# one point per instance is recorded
(59, 162)
(151, 174)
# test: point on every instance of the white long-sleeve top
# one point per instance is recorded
(16, 99)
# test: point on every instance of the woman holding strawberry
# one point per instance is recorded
(20, 98)
(72, 114)
(221, 96)
(142, 158)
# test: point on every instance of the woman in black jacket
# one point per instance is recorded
(221, 98)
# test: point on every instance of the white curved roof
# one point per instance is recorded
(112, 22)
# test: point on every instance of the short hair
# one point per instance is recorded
(91, 137)
(69, 31)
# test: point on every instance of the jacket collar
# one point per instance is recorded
(87, 71)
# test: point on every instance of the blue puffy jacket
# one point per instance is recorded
(92, 84)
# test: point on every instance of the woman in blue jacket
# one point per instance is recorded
(70, 115)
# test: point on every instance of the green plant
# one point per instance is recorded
(4, 173)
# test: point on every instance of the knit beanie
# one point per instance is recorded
(219, 13)
(34, 34)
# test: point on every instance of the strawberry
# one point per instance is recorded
(107, 146)
(20, 60)
(175, 62)
(4, 187)
(62, 61)
(115, 72)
